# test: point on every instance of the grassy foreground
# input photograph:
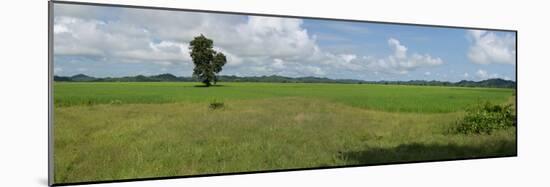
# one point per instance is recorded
(106, 131)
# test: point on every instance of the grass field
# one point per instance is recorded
(106, 131)
(377, 97)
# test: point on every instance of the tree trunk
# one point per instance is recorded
(207, 83)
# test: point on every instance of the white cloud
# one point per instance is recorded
(278, 64)
(348, 57)
(488, 47)
(253, 45)
(57, 70)
(59, 28)
(120, 41)
(400, 62)
(400, 51)
(314, 70)
(163, 36)
(427, 73)
(482, 75)
(275, 37)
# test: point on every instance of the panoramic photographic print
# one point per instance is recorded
(149, 93)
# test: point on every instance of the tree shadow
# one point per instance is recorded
(418, 152)
(214, 85)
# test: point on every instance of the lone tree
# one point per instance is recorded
(208, 62)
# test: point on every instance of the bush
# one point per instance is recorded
(486, 118)
(216, 105)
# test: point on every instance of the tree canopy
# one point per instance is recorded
(208, 62)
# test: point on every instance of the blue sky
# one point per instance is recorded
(109, 41)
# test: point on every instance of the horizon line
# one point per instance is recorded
(427, 80)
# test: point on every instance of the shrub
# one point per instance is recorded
(216, 105)
(90, 102)
(486, 118)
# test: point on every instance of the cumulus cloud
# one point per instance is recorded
(482, 74)
(161, 37)
(115, 40)
(489, 47)
(400, 62)
(278, 64)
(275, 37)
(253, 45)
(348, 57)
(163, 53)
(400, 51)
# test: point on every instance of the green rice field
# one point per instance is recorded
(123, 130)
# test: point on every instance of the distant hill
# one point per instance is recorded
(81, 78)
(493, 83)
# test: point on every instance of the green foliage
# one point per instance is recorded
(486, 118)
(208, 62)
(218, 62)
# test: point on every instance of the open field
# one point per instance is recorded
(106, 131)
(391, 98)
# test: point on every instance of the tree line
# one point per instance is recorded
(495, 83)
